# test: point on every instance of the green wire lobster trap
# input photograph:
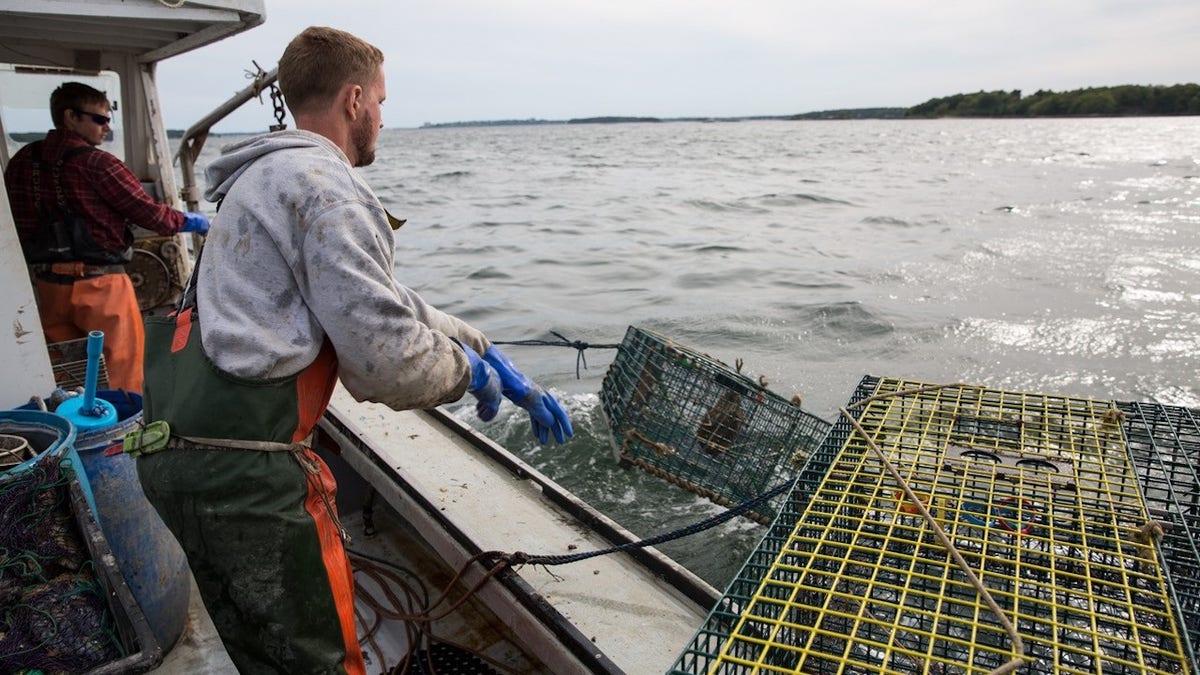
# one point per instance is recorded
(1164, 444)
(954, 529)
(690, 419)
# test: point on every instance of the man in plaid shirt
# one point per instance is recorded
(74, 206)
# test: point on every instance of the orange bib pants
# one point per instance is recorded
(105, 303)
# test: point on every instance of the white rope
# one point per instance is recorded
(1018, 645)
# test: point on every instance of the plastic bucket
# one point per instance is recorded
(45, 435)
(14, 450)
(154, 565)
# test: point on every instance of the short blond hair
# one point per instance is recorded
(319, 61)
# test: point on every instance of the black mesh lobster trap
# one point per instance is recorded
(692, 420)
(1164, 444)
(955, 529)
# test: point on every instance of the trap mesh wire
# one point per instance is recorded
(690, 419)
(69, 363)
(1164, 444)
(1035, 492)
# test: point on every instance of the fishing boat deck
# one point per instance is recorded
(596, 613)
(486, 499)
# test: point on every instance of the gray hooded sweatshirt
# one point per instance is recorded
(301, 250)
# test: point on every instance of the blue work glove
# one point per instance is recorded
(194, 222)
(484, 386)
(545, 413)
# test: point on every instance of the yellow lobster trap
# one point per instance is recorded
(955, 529)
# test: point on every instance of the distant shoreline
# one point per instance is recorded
(833, 115)
(1120, 101)
(861, 113)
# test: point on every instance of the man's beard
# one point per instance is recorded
(364, 143)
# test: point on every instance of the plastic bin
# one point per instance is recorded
(142, 650)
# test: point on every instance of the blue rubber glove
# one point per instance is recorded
(545, 412)
(485, 385)
(194, 222)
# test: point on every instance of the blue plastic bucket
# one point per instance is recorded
(48, 435)
(154, 565)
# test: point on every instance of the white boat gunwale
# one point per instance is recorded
(536, 612)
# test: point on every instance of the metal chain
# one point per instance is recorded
(277, 102)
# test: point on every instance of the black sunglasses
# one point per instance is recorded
(97, 118)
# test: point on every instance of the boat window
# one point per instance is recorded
(25, 104)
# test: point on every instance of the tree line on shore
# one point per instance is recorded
(1125, 100)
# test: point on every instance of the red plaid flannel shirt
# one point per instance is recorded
(97, 186)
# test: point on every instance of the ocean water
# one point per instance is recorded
(1054, 256)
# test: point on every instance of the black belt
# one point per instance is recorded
(69, 273)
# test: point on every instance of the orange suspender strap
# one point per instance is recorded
(320, 506)
(183, 330)
(314, 388)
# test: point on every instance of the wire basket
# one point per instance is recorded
(690, 419)
(68, 360)
(1035, 494)
(1164, 445)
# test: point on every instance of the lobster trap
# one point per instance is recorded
(690, 419)
(1042, 557)
(69, 363)
(1164, 445)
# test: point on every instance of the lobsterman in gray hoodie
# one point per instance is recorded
(295, 290)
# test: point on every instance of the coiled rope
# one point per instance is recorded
(405, 598)
(401, 601)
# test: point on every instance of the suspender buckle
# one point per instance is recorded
(148, 440)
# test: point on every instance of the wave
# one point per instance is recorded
(488, 273)
(724, 207)
(719, 248)
(845, 320)
(810, 285)
(888, 220)
(765, 203)
(501, 223)
(798, 199)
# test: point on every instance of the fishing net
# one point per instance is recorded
(954, 529)
(55, 615)
(692, 420)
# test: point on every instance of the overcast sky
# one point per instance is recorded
(458, 60)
